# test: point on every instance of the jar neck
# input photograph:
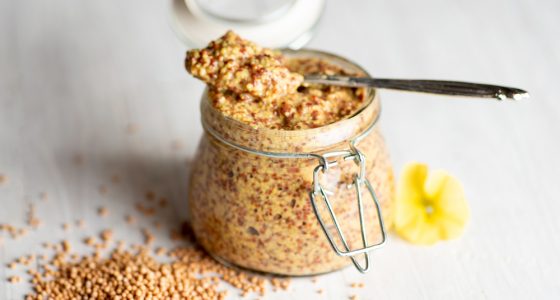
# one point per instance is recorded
(315, 140)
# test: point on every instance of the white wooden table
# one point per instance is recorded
(104, 80)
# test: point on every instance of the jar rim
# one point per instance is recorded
(346, 128)
(371, 97)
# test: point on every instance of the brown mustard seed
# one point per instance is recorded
(101, 246)
(15, 233)
(106, 235)
(148, 236)
(129, 219)
(282, 283)
(150, 195)
(90, 241)
(163, 202)
(32, 219)
(21, 232)
(66, 246)
(32, 272)
(14, 279)
(146, 211)
(110, 278)
(103, 211)
(120, 245)
(357, 285)
(161, 251)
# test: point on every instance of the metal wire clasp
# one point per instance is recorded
(359, 181)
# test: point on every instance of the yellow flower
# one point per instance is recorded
(430, 206)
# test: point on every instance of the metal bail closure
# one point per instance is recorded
(360, 180)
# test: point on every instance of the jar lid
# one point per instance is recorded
(270, 23)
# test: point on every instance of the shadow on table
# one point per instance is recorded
(150, 187)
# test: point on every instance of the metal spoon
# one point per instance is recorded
(455, 88)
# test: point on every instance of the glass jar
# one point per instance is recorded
(262, 199)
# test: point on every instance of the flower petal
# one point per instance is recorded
(429, 206)
(421, 231)
(408, 202)
(450, 206)
(411, 220)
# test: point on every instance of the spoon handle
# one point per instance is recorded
(454, 88)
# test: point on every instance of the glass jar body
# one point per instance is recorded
(254, 211)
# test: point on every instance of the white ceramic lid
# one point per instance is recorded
(279, 24)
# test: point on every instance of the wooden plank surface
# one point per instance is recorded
(102, 82)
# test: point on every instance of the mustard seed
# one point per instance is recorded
(130, 219)
(14, 279)
(106, 235)
(3, 179)
(103, 211)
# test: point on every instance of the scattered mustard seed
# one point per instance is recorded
(161, 251)
(90, 241)
(150, 195)
(14, 279)
(148, 236)
(3, 179)
(32, 219)
(130, 219)
(357, 285)
(21, 232)
(106, 235)
(103, 211)
(163, 202)
(66, 246)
